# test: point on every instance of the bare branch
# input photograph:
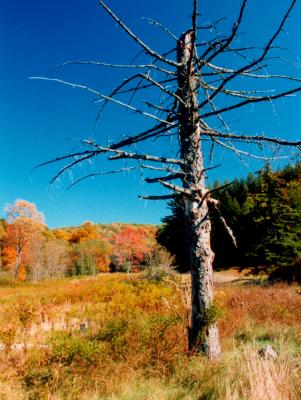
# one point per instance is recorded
(254, 138)
(193, 35)
(176, 188)
(100, 174)
(272, 76)
(248, 154)
(156, 23)
(65, 157)
(210, 46)
(218, 189)
(250, 100)
(177, 175)
(125, 154)
(194, 23)
(257, 60)
(128, 80)
(136, 38)
(211, 26)
(166, 169)
(104, 64)
(219, 72)
(245, 94)
(71, 165)
(147, 86)
(150, 133)
(95, 92)
(155, 83)
(154, 106)
(113, 93)
(163, 197)
(210, 168)
(230, 232)
(233, 34)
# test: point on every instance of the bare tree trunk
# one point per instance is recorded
(203, 335)
(17, 264)
(19, 250)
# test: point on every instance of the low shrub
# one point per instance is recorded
(67, 349)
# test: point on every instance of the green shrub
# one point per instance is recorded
(113, 333)
(67, 349)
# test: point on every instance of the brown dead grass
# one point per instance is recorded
(270, 306)
(134, 347)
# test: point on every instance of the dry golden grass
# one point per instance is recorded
(122, 337)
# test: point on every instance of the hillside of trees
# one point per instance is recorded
(264, 212)
(31, 251)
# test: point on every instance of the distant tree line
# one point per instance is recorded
(31, 251)
(264, 212)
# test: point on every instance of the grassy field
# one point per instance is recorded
(124, 337)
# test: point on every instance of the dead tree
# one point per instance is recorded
(193, 89)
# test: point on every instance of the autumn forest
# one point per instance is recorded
(263, 210)
(31, 251)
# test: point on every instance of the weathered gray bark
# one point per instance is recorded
(203, 335)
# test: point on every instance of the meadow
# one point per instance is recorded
(123, 336)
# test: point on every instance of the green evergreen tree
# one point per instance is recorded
(172, 234)
(264, 212)
(276, 213)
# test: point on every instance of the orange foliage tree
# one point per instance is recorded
(131, 245)
(86, 231)
(23, 221)
(90, 252)
(90, 257)
(2, 240)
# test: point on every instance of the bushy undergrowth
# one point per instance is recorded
(123, 337)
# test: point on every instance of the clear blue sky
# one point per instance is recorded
(41, 120)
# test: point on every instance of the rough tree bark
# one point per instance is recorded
(203, 335)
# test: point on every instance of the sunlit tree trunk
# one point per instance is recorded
(203, 335)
